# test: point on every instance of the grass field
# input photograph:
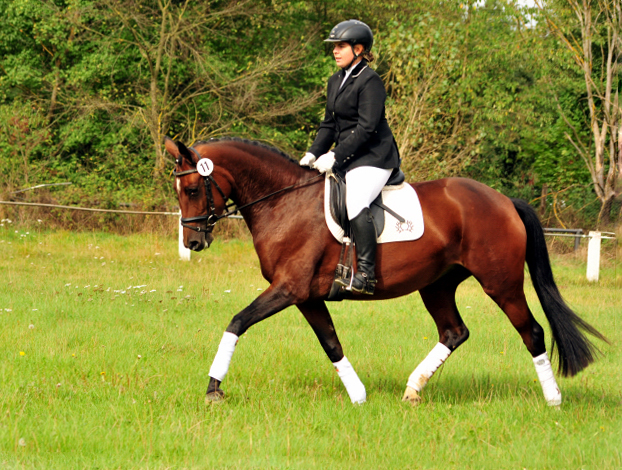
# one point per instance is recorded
(106, 342)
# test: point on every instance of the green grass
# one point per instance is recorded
(97, 372)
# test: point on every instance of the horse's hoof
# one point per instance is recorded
(412, 396)
(214, 397)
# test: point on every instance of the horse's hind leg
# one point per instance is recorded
(440, 300)
(513, 303)
(319, 318)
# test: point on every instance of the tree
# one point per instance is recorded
(462, 80)
(590, 30)
(175, 76)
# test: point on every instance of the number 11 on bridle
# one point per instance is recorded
(470, 230)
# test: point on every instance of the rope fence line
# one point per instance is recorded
(90, 209)
(184, 253)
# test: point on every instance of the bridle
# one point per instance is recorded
(211, 217)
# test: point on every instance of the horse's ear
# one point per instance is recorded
(177, 150)
(171, 147)
(183, 150)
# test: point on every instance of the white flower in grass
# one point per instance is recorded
(31, 327)
(228, 291)
(21, 442)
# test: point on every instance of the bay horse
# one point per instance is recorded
(470, 230)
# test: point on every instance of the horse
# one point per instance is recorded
(470, 230)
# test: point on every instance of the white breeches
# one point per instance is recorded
(363, 184)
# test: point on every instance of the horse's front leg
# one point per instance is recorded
(319, 318)
(271, 301)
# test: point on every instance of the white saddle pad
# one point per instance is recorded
(402, 199)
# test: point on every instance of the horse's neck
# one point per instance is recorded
(258, 175)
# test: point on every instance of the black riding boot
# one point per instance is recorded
(364, 234)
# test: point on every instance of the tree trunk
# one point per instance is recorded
(604, 216)
(542, 208)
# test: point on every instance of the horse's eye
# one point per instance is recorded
(192, 192)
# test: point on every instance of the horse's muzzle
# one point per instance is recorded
(199, 241)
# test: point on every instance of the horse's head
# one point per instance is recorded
(198, 202)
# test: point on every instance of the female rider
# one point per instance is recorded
(365, 149)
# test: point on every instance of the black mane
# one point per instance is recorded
(248, 142)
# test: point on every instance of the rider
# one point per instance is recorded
(365, 149)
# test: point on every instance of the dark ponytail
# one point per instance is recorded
(368, 56)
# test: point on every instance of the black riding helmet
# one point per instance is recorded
(353, 32)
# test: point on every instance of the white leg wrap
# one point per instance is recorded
(552, 395)
(428, 366)
(354, 386)
(220, 366)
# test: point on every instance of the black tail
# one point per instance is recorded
(575, 351)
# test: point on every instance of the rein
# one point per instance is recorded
(211, 217)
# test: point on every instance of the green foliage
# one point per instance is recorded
(475, 90)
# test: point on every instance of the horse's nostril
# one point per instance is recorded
(194, 245)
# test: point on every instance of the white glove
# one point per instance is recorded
(307, 160)
(325, 162)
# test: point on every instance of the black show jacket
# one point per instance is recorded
(355, 122)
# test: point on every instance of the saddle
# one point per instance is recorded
(338, 202)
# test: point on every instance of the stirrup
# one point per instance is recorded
(362, 284)
(343, 282)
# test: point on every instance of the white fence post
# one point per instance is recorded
(184, 253)
(593, 256)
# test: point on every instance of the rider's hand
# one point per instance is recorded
(307, 160)
(325, 162)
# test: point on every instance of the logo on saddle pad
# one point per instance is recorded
(401, 199)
